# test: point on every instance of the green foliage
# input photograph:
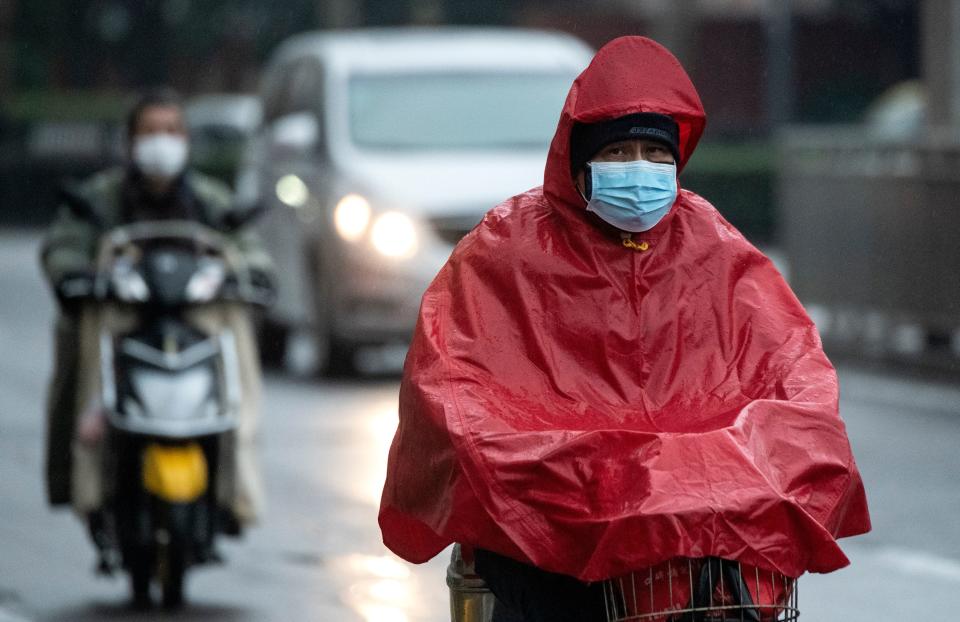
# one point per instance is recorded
(738, 179)
(47, 105)
(91, 43)
(732, 158)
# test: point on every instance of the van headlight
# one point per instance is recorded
(394, 235)
(351, 217)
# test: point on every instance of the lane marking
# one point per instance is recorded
(8, 616)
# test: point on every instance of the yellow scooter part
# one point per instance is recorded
(175, 473)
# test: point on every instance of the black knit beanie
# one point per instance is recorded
(586, 139)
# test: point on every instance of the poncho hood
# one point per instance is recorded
(594, 409)
(627, 76)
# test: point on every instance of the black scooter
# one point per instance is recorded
(171, 394)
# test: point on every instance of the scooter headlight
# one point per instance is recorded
(292, 191)
(206, 281)
(128, 284)
(394, 235)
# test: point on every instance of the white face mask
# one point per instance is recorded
(160, 155)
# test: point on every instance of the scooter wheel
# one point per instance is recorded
(140, 571)
(172, 570)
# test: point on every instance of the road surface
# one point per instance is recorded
(318, 555)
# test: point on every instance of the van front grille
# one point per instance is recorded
(451, 229)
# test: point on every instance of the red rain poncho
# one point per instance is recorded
(594, 409)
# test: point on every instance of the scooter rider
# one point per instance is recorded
(155, 184)
(606, 376)
(634, 140)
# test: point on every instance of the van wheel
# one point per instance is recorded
(336, 358)
(272, 341)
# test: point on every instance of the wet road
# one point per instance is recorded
(318, 556)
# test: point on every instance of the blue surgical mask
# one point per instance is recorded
(632, 196)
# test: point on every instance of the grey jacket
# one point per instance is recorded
(71, 242)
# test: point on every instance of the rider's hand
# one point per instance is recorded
(260, 289)
(72, 290)
(264, 287)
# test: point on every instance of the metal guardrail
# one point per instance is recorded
(869, 228)
(36, 158)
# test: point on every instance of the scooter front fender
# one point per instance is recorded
(175, 473)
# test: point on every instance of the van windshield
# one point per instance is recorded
(456, 111)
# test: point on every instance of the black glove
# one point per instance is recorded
(261, 290)
(264, 287)
(72, 289)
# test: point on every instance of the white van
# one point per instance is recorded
(379, 150)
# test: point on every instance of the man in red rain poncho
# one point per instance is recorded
(607, 375)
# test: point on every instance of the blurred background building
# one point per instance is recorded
(757, 64)
(850, 72)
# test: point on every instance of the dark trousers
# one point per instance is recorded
(527, 594)
(61, 410)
